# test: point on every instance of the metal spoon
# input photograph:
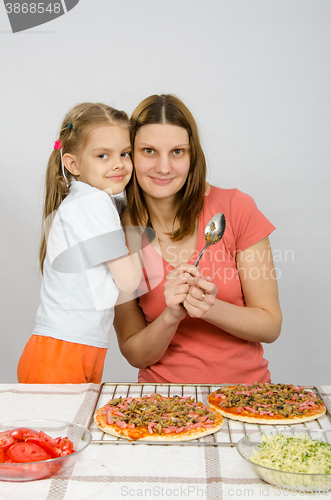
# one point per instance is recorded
(213, 233)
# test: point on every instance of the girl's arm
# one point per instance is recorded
(126, 272)
(144, 345)
(261, 319)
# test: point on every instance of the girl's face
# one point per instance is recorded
(105, 161)
(161, 159)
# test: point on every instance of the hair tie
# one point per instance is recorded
(69, 125)
(58, 146)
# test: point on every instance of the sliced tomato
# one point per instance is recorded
(48, 439)
(27, 452)
(52, 449)
(16, 473)
(23, 433)
(5, 433)
(6, 441)
(2, 456)
(38, 470)
(66, 445)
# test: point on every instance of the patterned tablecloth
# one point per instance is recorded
(115, 471)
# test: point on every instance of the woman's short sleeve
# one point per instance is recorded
(249, 223)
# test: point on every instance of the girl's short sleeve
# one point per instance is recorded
(248, 222)
(90, 234)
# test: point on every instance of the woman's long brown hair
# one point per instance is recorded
(169, 109)
(82, 119)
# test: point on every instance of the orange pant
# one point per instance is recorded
(46, 360)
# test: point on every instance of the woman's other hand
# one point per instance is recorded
(200, 297)
(177, 286)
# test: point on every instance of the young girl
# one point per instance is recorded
(84, 257)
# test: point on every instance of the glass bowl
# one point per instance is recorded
(30, 471)
(289, 480)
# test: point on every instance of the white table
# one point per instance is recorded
(119, 471)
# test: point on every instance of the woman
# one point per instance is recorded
(201, 325)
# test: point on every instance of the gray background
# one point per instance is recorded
(256, 75)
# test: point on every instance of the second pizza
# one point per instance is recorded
(267, 403)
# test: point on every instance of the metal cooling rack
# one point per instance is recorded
(230, 433)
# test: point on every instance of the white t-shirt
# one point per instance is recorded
(78, 292)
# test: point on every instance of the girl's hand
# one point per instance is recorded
(201, 297)
(177, 286)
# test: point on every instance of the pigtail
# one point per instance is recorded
(56, 189)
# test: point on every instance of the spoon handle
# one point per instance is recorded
(201, 254)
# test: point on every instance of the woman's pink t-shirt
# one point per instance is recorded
(200, 352)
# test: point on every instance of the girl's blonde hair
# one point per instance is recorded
(74, 134)
(167, 108)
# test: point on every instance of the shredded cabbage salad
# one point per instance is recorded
(299, 453)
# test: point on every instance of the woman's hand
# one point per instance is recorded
(201, 297)
(177, 287)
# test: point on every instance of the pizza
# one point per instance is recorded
(267, 403)
(158, 418)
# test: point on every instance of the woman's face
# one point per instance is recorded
(161, 159)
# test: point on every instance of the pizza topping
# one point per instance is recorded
(159, 414)
(268, 399)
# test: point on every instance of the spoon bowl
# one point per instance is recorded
(214, 231)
